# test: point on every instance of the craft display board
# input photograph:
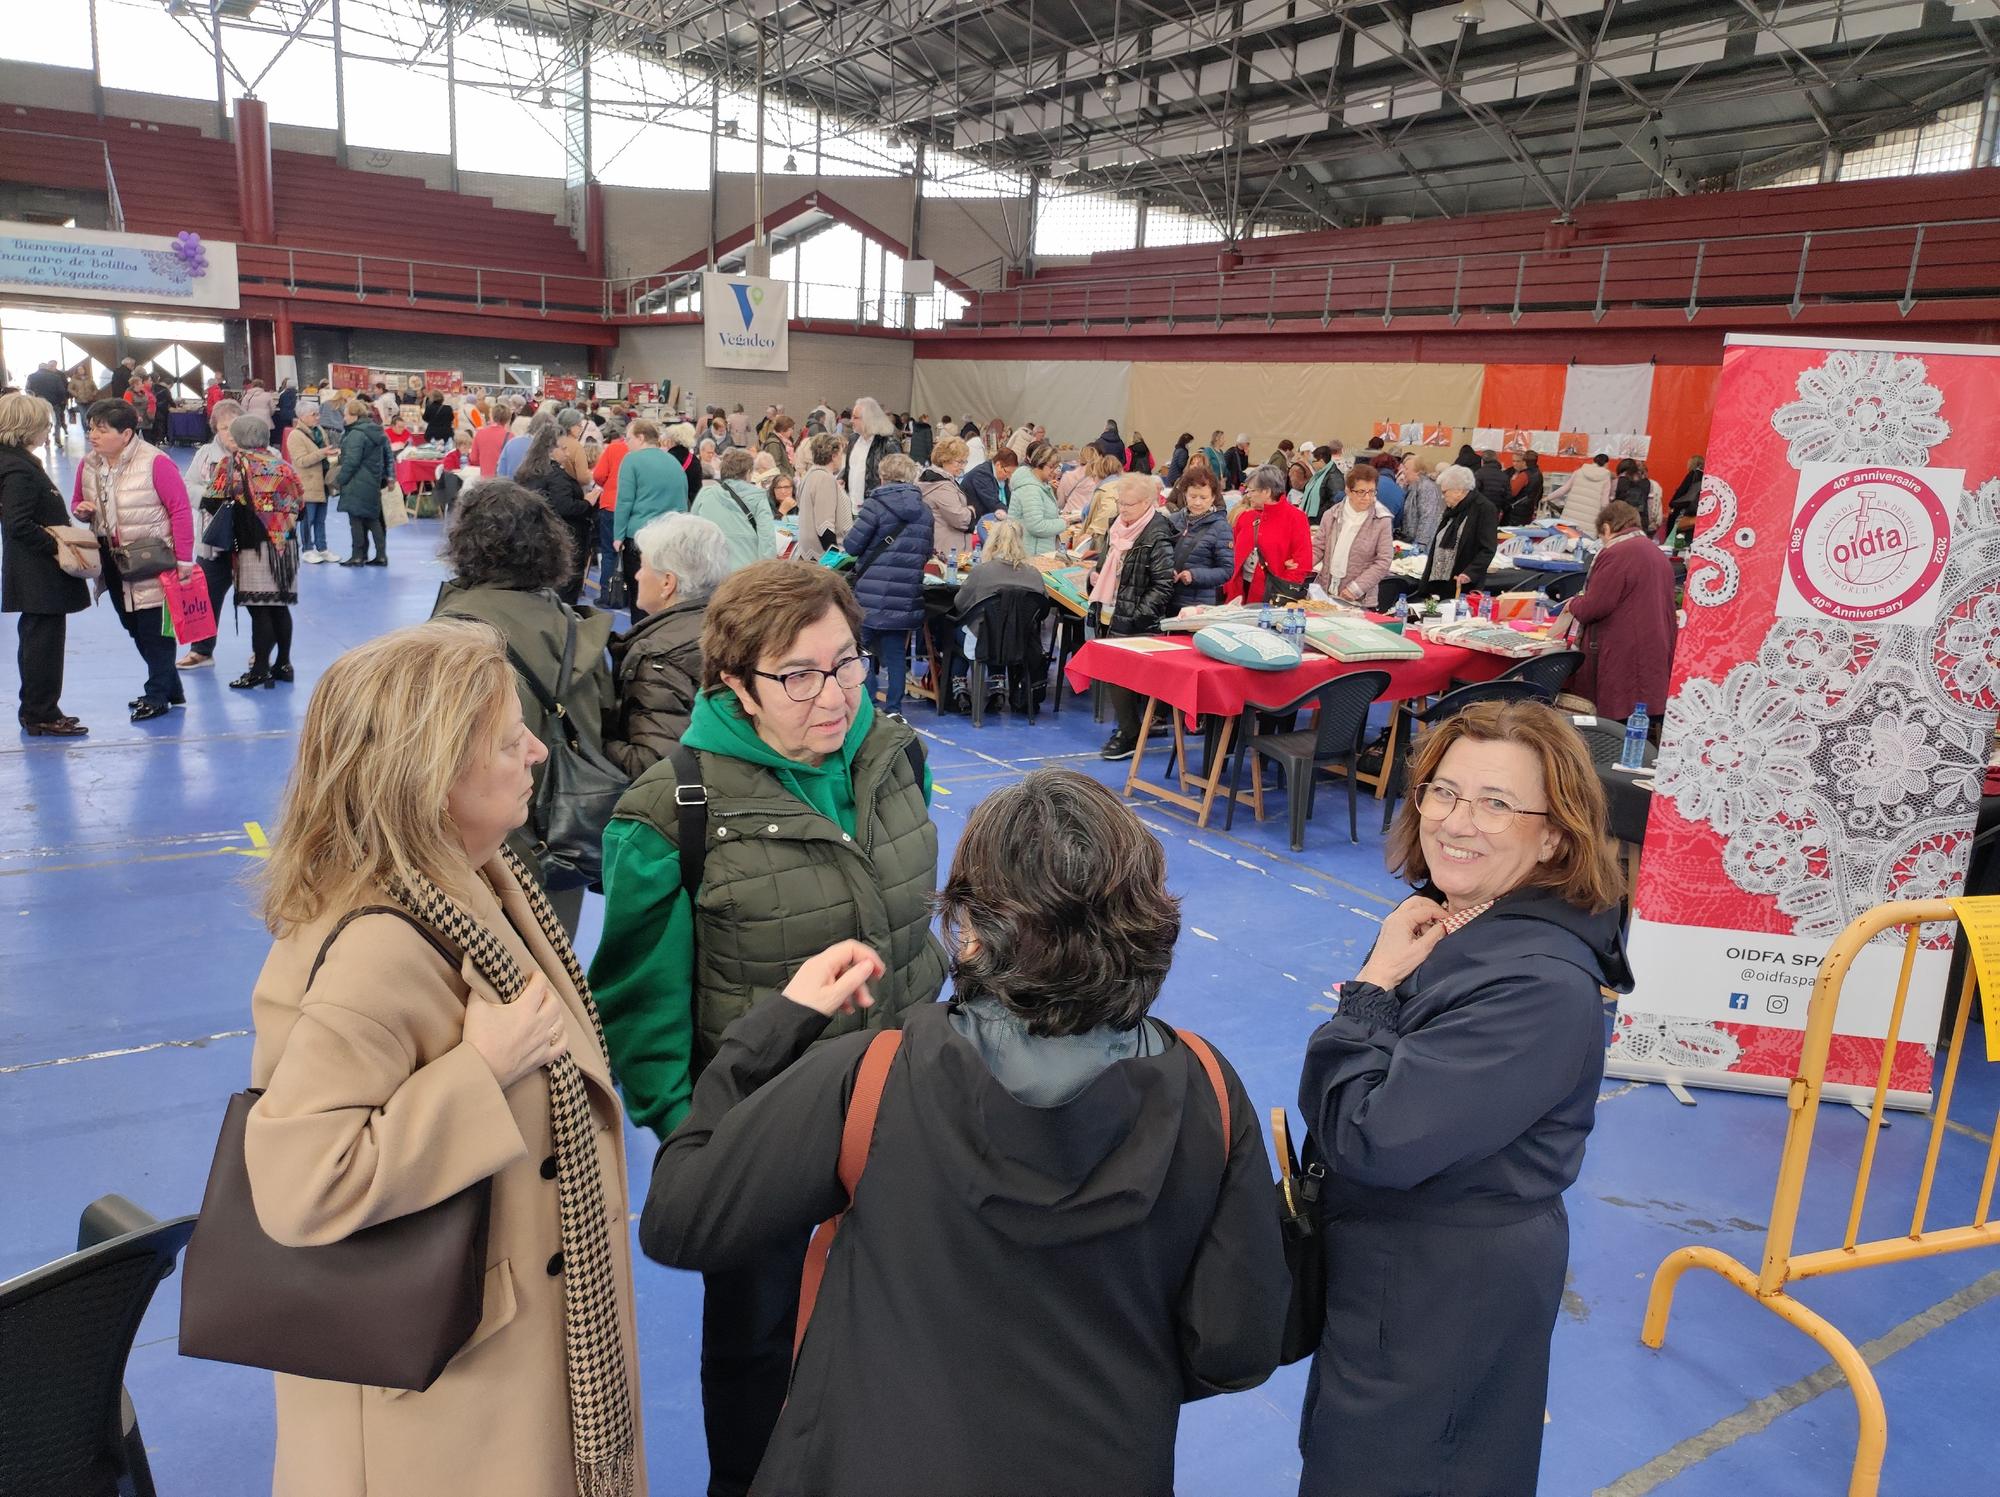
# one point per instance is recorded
(1830, 716)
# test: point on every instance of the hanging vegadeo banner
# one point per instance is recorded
(744, 321)
(1831, 711)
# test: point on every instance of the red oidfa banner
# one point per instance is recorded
(1830, 715)
(559, 387)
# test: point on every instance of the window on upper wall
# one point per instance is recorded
(1804, 176)
(950, 175)
(1085, 223)
(852, 150)
(392, 66)
(648, 123)
(284, 56)
(1172, 226)
(142, 48)
(508, 120)
(1946, 144)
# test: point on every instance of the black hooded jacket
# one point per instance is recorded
(1021, 1296)
(1468, 1092)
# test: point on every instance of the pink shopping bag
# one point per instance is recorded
(188, 607)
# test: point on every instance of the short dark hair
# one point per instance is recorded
(1064, 895)
(116, 414)
(761, 609)
(507, 536)
(1361, 476)
(1005, 458)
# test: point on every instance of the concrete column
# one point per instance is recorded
(253, 172)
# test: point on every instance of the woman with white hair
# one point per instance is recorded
(1467, 538)
(874, 439)
(682, 559)
(308, 451)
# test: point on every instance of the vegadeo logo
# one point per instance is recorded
(1868, 544)
(748, 299)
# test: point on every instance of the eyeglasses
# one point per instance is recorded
(804, 685)
(1489, 812)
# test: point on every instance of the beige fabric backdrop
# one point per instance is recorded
(1071, 399)
(1315, 402)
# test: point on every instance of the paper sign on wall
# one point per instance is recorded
(1979, 916)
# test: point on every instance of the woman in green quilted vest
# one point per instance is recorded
(808, 817)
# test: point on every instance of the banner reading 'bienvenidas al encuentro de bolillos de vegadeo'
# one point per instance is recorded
(1831, 712)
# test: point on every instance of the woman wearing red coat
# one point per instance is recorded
(1627, 619)
(1272, 536)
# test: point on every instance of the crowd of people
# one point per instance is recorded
(1067, 1223)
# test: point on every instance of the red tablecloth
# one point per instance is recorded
(1197, 683)
(412, 471)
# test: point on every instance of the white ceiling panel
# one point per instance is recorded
(1413, 101)
(1319, 54)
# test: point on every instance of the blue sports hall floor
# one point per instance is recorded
(128, 949)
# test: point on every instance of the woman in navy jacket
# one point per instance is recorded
(1203, 542)
(894, 523)
(1450, 1097)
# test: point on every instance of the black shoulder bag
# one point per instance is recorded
(388, 1306)
(579, 787)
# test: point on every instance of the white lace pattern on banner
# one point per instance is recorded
(1842, 765)
(1864, 408)
(1714, 528)
(1685, 1044)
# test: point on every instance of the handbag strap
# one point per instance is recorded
(1213, 1067)
(857, 1138)
(452, 958)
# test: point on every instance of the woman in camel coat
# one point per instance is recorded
(395, 1077)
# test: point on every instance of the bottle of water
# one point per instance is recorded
(1295, 628)
(1401, 612)
(1265, 618)
(1633, 755)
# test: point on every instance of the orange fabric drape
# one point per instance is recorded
(1683, 405)
(1524, 395)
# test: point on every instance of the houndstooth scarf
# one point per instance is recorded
(599, 1399)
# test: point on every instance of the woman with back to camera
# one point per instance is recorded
(1056, 1238)
(1626, 611)
(814, 805)
(544, 471)
(509, 557)
(32, 582)
(891, 537)
(422, 1025)
(1450, 1097)
(266, 575)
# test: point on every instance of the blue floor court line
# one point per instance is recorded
(126, 925)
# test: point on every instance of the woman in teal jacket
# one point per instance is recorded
(1032, 504)
(741, 509)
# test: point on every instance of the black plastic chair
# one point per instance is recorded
(67, 1427)
(1551, 671)
(1449, 705)
(1563, 586)
(1334, 738)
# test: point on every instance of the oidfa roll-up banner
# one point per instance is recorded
(1830, 716)
(744, 322)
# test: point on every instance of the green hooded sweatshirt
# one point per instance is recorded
(643, 973)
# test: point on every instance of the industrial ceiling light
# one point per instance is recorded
(729, 128)
(548, 99)
(1470, 12)
(1110, 90)
(791, 162)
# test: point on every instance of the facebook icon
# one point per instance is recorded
(1739, 1000)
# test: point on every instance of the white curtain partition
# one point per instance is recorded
(1071, 399)
(1608, 398)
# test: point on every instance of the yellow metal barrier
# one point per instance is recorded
(1781, 1264)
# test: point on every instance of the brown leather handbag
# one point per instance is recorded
(388, 1306)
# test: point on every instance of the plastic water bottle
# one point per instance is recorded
(1401, 612)
(1633, 754)
(1265, 618)
(1295, 628)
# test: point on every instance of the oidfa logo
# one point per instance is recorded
(748, 299)
(1868, 543)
